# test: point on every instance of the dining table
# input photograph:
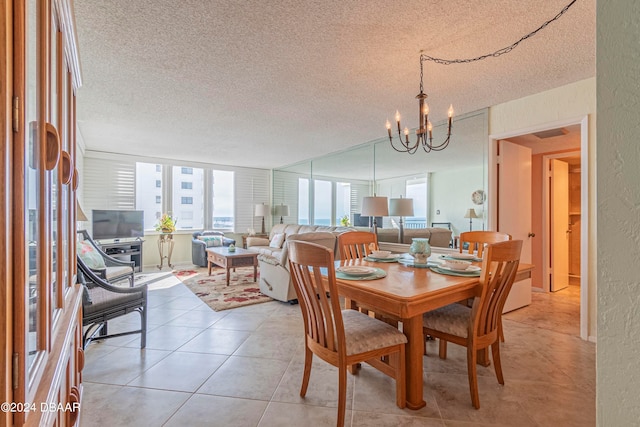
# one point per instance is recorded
(403, 294)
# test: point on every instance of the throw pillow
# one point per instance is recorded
(90, 256)
(277, 240)
(211, 241)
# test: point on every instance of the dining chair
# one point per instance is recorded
(476, 327)
(356, 244)
(340, 337)
(478, 239)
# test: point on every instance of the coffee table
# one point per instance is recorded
(221, 256)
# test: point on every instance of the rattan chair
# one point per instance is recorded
(476, 327)
(103, 301)
(340, 337)
(114, 269)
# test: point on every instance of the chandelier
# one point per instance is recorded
(424, 132)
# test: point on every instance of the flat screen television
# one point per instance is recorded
(117, 224)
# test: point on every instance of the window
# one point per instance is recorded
(158, 168)
(303, 201)
(417, 190)
(186, 200)
(343, 200)
(186, 185)
(186, 171)
(223, 217)
(322, 205)
(147, 193)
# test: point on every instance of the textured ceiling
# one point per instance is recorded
(269, 83)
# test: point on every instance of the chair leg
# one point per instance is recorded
(308, 359)
(443, 349)
(500, 331)
(497, 365)
(473, 376)
(398, 360)
(143, 327)
(342, 394)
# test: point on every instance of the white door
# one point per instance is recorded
(514, 210)
(559, 215)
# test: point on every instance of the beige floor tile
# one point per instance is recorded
(116, 406)
(168, 337)
(216, 341)
(188, 302)
(161, 316)
(198, 318)
(372, 419)
(287, 414)
(122, 365)
(208, 411)
(245, 377)
(246, 321)
(271, 346)
(180, 371)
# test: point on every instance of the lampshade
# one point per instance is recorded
(262, 210)
(401, 207)
(375, 206)
(282, 210)
(80, 215)
(471, 213)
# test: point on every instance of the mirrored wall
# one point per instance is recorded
(329, 189)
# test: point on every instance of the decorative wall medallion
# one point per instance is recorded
(478, 197)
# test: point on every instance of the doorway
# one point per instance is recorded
(565, 143)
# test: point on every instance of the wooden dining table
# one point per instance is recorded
(404, 295)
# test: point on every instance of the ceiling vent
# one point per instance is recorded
(551, 133)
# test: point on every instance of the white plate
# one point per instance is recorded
(462, 256)
(470, 269)
(392, 256)
(355, 270)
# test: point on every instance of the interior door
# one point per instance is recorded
(514, 210)
(559, 219)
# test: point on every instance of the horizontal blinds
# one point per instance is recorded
(251, 188)
(108, 184)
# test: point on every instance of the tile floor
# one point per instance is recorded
(243, 367)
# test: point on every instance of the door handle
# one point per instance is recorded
(531, 235)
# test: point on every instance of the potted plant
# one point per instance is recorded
(166, 223)
(344, 221)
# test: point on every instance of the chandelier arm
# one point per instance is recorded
(498, 52)
(407, 148)
(440, 147)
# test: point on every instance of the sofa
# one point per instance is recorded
(440, 237)
(199, 244)
(275, 280)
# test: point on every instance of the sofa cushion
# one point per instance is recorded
(90, 256)
(211, 241)
(277, 240)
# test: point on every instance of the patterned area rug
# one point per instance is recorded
(213, 290)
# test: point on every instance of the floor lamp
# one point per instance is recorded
(471, 213)
(373, 207)
(262, 210)
(401, 207)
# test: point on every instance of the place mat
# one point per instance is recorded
(378, 274)
(411, 263)
(456, 273)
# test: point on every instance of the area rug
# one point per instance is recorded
(213, 290)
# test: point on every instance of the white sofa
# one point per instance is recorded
(275, 280)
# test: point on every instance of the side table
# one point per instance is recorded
(165, 238)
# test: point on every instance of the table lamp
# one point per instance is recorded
(262, 210)
(373, 207)
(471, 213)
(281, 210)
(401, 207)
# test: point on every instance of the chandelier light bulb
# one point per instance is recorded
(426, 109)
(406, 131)
(450, 112)
(388, 125)
(397, 116)
(429, 126)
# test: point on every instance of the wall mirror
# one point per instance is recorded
(326, 189)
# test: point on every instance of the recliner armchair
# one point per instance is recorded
(198, 247)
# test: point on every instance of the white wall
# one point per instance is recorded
(572, 101)
(450, 193)
(618, 94)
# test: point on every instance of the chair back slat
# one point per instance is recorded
(356, 244)
(478, 239)
(499, 268)
(322, 314)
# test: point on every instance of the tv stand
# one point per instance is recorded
(126, 251)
